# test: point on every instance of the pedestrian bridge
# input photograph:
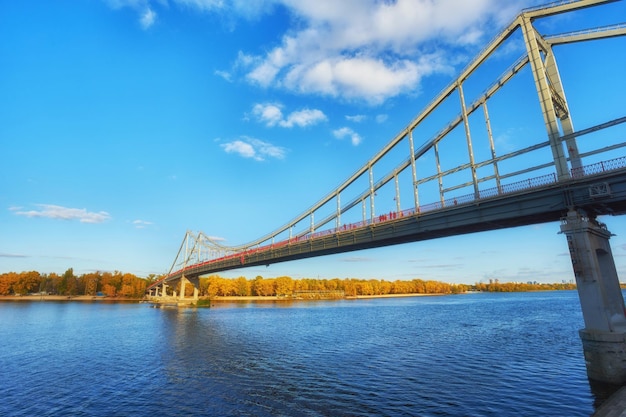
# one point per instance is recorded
(447, 175)
(598, 189)
(538, 182)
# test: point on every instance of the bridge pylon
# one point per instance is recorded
(601, 299)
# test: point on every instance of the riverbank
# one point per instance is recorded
(213, 299)
(66, 298)
(278, 298)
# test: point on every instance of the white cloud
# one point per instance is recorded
(365, 50)
(141, 224)
(224, 74)
(147, 18)
(271, 114)
(241, 148)
(147, 15)
(256, 149)
(369, 49)
(344, 132)
(381, 118)
(303, 118)
(268, 113)
(51, 211)
(357, 118)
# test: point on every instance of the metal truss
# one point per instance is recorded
(561, 140)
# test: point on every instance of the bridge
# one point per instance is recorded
(564, 174)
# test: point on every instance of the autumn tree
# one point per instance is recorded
(242, 287)
(7, 281)
(27, 282)
(283, 286)
(262, 287)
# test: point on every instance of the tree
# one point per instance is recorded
(7, 281)
(283, 286)
(91, 283)
(242, 287)
(263, 287)
(67, 285)
(27, 282)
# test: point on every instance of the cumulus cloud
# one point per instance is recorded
(268, 113)
(303, 118)
(256, 149)
(365, 50)
(52, 211)
(344, 132)
(272, 115)
(369, 49)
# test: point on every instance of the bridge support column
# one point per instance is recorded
(196, 285)
(183, 283)
(601, 300)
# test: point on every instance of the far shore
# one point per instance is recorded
(277, 298)
(188, 298)
(65, 298)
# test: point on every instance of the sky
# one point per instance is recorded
(125, 123)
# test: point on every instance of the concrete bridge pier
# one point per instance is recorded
(601, 300)
(183, 282)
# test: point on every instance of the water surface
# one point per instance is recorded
(463, 355)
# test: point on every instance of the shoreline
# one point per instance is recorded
(277, 298)
(84, 298)
(66, 298)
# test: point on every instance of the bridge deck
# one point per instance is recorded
(537, 200)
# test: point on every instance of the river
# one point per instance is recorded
(477, 354)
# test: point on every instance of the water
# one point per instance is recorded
(464, 355)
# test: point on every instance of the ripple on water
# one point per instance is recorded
(471, 355)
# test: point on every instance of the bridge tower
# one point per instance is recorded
(602, 303)
(601, 300)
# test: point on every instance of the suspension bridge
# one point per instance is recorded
(467, 184)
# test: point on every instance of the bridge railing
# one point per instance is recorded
(504, 189)
(599, 167)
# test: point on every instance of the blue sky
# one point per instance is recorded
(125, 123)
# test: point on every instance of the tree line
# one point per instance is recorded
(110, 284)
(215, 285)
(521, 287)
(119, 284)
